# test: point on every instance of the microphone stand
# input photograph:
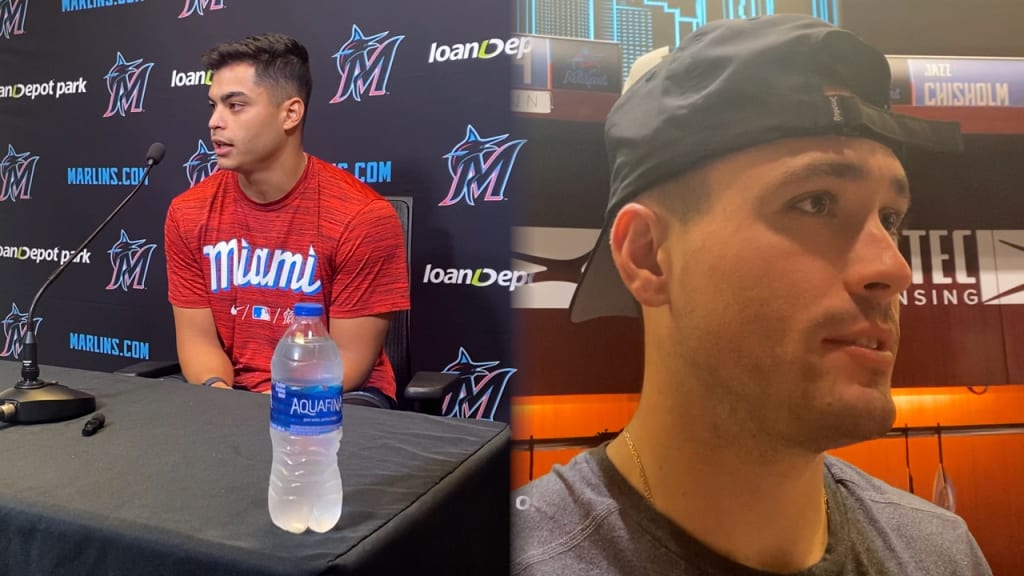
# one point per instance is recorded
(34, 400)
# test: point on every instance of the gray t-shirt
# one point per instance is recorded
(585, 519)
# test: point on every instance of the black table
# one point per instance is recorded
(176, 483)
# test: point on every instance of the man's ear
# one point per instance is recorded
(294, 111)
(638, 237)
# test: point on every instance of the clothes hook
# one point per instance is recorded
(943, 492)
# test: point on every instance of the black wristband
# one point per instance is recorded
(213, 380)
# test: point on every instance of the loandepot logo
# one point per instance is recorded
(202, 163)
(127, 82)
(122, 347)
(12, 17)
(130, 261)
(38, 255)
(480, 166)
(51, 88)
(481, 50)
(480, 277)
(200, 7)
(951, 267)
(16, 174)
(196, 78)
(481, 387)
(14, 325)
(76, 5)
(364, 63)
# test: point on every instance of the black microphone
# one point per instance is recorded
(33, 400)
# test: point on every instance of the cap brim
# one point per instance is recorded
(601, 291)
(896, 129)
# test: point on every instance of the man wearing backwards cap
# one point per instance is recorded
(756, 197)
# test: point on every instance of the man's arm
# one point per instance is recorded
(360, 341)
(200, 353)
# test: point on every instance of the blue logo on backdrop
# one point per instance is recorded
(14, 325)
(480, 166)
(127, 82)
(364, 63)
(480, 390)
(106, 176)
(12, 17)
(198, 6)
(76, 5)
(16, 174)
(201, 164)
(371, 172)
(130, 260)
(122, 347)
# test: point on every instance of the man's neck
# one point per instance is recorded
(763, 509)
(276, 178)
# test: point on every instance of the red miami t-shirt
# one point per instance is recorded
(330, 239)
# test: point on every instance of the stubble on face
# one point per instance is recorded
(754, 305)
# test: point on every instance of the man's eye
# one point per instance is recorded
(821, 204)
(892, 221)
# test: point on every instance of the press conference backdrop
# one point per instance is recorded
(411, 97)
(963, 315)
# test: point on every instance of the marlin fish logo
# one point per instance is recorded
(126, 82)
(480, 388)
(12, 17)
(201, 164)
(197, 7)
(480, 166)
(364, 63)
(14, 325)
(16, 173)
(130, 260)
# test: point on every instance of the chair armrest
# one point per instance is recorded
(151, 369)
(429, 385)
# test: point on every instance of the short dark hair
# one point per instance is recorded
(280, 62)
(684, 197)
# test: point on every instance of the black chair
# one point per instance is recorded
(422, 392)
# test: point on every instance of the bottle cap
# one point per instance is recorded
(309, 309)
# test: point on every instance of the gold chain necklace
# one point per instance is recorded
(647, 487)
(640, 465)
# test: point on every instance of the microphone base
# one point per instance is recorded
(40, 401)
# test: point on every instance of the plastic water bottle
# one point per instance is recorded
(305, 426)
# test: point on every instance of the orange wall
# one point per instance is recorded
(987, 471)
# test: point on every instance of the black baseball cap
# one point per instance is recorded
(732, 85)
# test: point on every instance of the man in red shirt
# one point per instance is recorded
(276, 226)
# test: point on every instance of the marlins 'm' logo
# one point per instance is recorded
(14, 325)
(126, 82)
(480, 388)
(364, 63)
(197, 7)
(480, 166)
(12, 17)
(16, 173)
(201, 164)
(130, 260)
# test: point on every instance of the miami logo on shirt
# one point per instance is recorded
(234, 263)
